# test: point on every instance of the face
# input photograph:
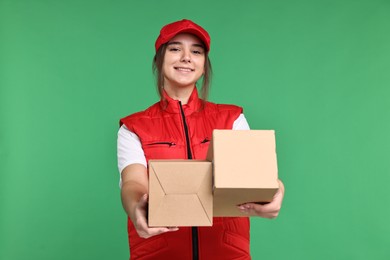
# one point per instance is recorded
(184, 62)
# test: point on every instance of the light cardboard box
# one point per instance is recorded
(180, 193)
(244, 169)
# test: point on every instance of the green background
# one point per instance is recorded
(316, 71)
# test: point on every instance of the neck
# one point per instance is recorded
(181, 94)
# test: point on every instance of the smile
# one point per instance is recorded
(183, 69)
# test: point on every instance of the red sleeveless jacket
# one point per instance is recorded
(169, 130)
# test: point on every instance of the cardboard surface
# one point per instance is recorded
(180, 193)
(244, 169)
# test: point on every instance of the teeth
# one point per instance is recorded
(184, 69)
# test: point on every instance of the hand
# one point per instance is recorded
(270, 210)
(140, 222)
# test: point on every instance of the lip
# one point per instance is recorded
(184, 69)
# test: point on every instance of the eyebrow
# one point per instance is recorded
(195, 44)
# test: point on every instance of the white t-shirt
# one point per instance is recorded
(130, 149)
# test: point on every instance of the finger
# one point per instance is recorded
(163, 229)
(281, 186)
(246, 208)
(156, 231)
(140, 214)
(141, 222)
(172, 229)
(254, 211)
(143, 201)
(142, 205)
(259, 210)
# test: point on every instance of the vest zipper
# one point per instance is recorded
(189, 154)
(167, 143)
(195, 247)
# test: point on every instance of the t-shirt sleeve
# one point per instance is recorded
(240, 123)
(129, 149)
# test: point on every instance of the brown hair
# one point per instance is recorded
(157, 65)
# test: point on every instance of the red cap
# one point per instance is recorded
(170, 30)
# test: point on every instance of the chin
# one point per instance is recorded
(185, 84)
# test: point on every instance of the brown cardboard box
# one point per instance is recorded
(244, 169)
(180, 193)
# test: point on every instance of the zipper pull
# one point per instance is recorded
(205, 140)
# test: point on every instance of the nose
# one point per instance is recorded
(186, 55)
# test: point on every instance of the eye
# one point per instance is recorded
(174, 49)
(197, 52)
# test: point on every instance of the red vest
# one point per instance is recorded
(165, 129)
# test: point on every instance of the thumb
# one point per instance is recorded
(144, 199)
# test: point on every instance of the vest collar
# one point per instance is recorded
(171, 105)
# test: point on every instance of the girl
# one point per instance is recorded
(179, 126)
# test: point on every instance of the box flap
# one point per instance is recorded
(171, 177)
